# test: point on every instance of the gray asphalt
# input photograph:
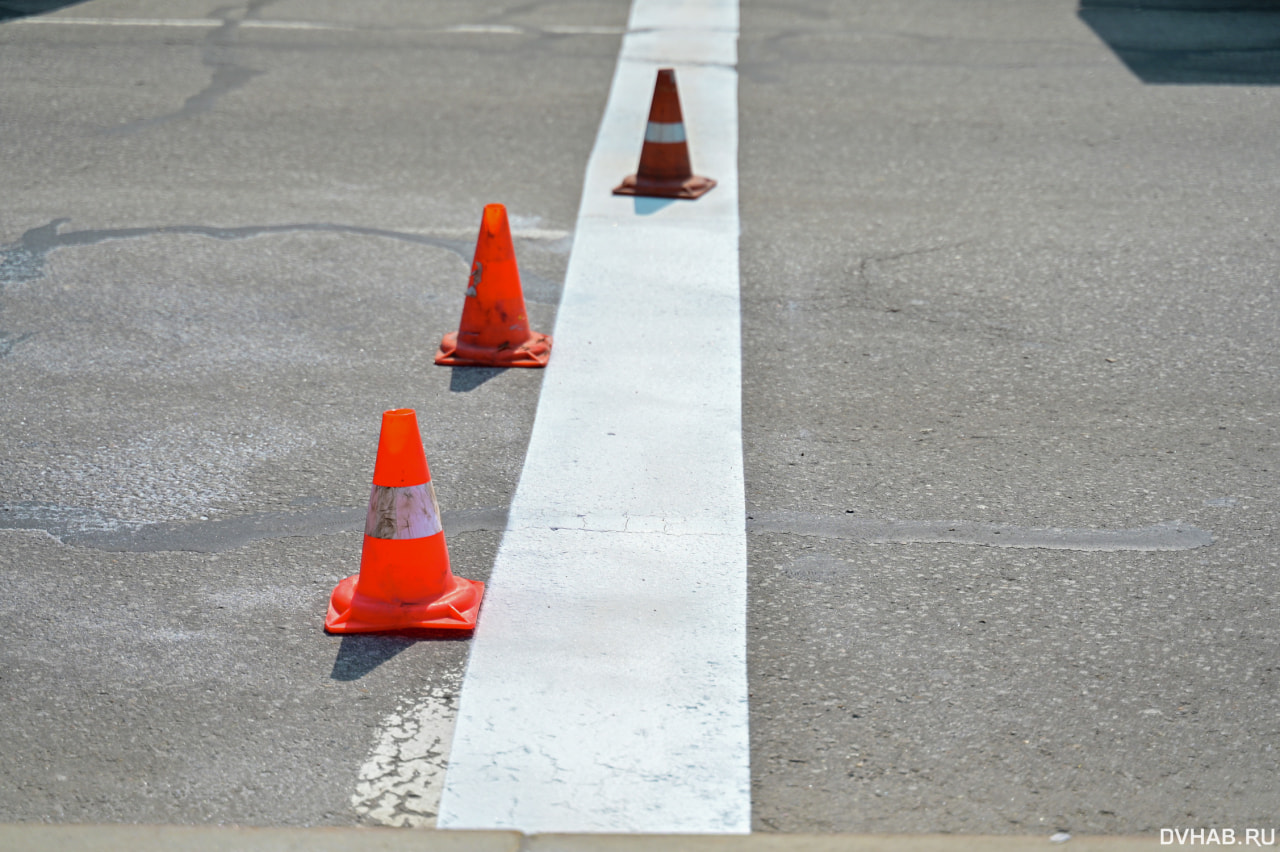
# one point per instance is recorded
(993, 274)
(34, 837)
(227, 250)
(1009, 299)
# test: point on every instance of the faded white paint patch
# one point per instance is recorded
(573, 29)
(486, 29)
(400, 784)
(264, 24)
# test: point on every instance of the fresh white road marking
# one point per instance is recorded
(607, 687)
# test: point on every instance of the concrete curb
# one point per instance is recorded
(39, 837)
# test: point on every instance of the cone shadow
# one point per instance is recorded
(647, 205)
(465, 379)
(361, 653)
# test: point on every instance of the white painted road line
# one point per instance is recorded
(607, 685)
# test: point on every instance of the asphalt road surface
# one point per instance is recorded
(1010, 396)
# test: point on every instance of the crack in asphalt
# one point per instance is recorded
(216, 53)
(24, 260)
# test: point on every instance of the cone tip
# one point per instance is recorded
(495, 218)
(401, 459)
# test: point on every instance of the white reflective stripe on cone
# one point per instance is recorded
(403, 513)
(659, 131)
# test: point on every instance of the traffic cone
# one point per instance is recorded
(494, 331)
(664, 160)
(404, 580)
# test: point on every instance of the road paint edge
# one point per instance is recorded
(606, 688)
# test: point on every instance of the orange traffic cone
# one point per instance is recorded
(664, 160)
(404, 580)
(494, 331)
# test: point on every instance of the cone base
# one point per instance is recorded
(534, 352)
(455, 609)
(694, 186)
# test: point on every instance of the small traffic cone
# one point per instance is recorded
(404, 580)
(494, 331)
(664, 160)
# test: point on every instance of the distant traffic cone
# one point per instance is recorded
(494, 331)
(664, 160)
(404, 580)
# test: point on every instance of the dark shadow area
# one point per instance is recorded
(1191, 42)
(646, 206)
(466, 379)
(361, 653)
(10, 9)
